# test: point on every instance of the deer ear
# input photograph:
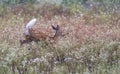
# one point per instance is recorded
(56, 28)
(53, 27)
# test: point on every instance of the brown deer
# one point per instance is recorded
(36, 35)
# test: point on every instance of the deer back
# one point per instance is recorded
(38, 34)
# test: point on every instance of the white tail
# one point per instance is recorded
(29, 25)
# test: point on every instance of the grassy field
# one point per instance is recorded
(91, 44)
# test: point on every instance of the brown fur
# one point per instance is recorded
(37, 35)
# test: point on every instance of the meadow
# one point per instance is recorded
(91, 44)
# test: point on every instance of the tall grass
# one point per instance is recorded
(91, 44)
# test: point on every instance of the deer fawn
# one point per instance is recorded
(36, 35)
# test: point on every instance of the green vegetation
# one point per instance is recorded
(91, 44)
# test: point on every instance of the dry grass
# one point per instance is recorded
(91, 45)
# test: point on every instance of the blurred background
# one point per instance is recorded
(75, 6)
